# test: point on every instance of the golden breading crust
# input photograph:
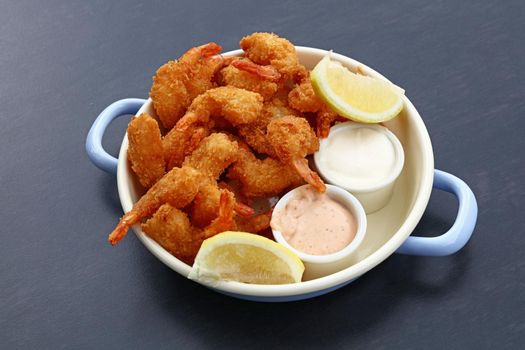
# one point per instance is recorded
(145, 150)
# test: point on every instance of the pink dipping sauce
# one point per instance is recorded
(315, 224)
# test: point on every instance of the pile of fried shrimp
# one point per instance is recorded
(229, 131)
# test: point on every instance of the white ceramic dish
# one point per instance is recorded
(322, 265)
(388, 229)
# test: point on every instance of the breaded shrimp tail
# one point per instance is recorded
(269, 73)
(310, 176)
(224, 221)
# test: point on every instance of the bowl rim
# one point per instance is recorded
(323, 283)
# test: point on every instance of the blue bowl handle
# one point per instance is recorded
(94, 149)
(459, 234)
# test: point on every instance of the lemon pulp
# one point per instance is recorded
(245, 257)
(357, 97)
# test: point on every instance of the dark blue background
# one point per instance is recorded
(62, 285)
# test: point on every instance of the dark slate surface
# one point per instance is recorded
(63, 286)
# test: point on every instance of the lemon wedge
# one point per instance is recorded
(357, 97)
(245, 257)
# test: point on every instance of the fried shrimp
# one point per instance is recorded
(214, 154)
(145, 150)
(262, 177)
(172, 229)
(177, 144)
(304, 99)
(205, 206)
(324, 120)
(254, 134)
(177, 83)
(237, 106)
(178, 188)
(293, 139)
(268, 48)
(245, 74)
(241, 209)
(254, 224)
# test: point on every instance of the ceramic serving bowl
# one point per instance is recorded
(388, 229)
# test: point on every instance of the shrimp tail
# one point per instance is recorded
(187, 121)
(196, 137)
(310, 176)
(122, 228)
(243, 210)
(324, 119)
(269, 73)
(224, 220)
(209, 49)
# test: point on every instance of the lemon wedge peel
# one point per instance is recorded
(230, 256)
(331, 81)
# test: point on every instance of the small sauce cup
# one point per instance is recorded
(375, 194)
(322, 265)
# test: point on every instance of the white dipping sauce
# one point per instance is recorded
(357, 157)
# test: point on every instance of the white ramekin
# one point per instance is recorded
(323, 265)
(374, 196)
